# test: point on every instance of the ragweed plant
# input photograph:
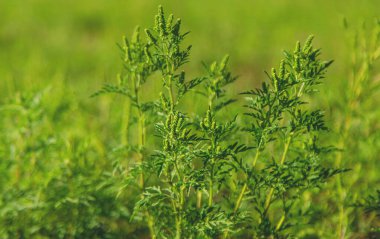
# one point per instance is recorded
(138, 67)
(173, 162)
(220, 153)
(203, 178)
(285, 131)
(178, 196)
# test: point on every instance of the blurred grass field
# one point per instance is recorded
(71, 45)
(42, 40)
(68, 49)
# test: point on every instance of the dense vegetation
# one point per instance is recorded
(191, 158)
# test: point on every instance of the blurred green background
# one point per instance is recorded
(72, 44)
(68, 49)
(44, 41)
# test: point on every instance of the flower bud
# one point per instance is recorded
(176, 27)
(224, 62)
(169, 21)
(136, 35)
(307, 46)
(282, 69)
(298, 48)
(150, 36)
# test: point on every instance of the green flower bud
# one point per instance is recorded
(150, 36)
(298, 48)
(209, 116)
(175, 120)
(202, 125)
(224, 62)
(184, 133)
(147, 54)
(162, 29)
(282, 69)
(176, 27)
(156, 22)
(307, 46)
(297, 64)
(179, 124)
(168, 122)
(136, 35)
(161, 15)
(127, 56)
(275, 79)
(213, 67)
(213, 125)
(125, 41)
(164, 101)
(169, 21)
(166, 145)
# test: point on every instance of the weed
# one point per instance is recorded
(198, 155)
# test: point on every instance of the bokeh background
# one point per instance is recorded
(44, 41)
(71, 46)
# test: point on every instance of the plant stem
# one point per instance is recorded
(125, 123)
(211, 190)
(279, 224)
(286, 148)
(181, 199)
(141, 126)
(211, 194)
(271, 191)
(199, 199)
(256, 156)
(240, 198)
(244, 188)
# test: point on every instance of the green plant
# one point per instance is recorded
(193, 195)
(288, 156)
(186, 163)
(356, 122)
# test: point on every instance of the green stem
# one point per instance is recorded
(244, 188)
(299, 94)
(279, 224)
(141, 126)
(178, 211)
(170, 84)
(178, 227)
(210, 193)
(125, 123)
(286, 148)
(240, 198)
(171, 96)
(256, 156)
(178, 214)
(199, 199)
(271, 191)
(211, 190)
